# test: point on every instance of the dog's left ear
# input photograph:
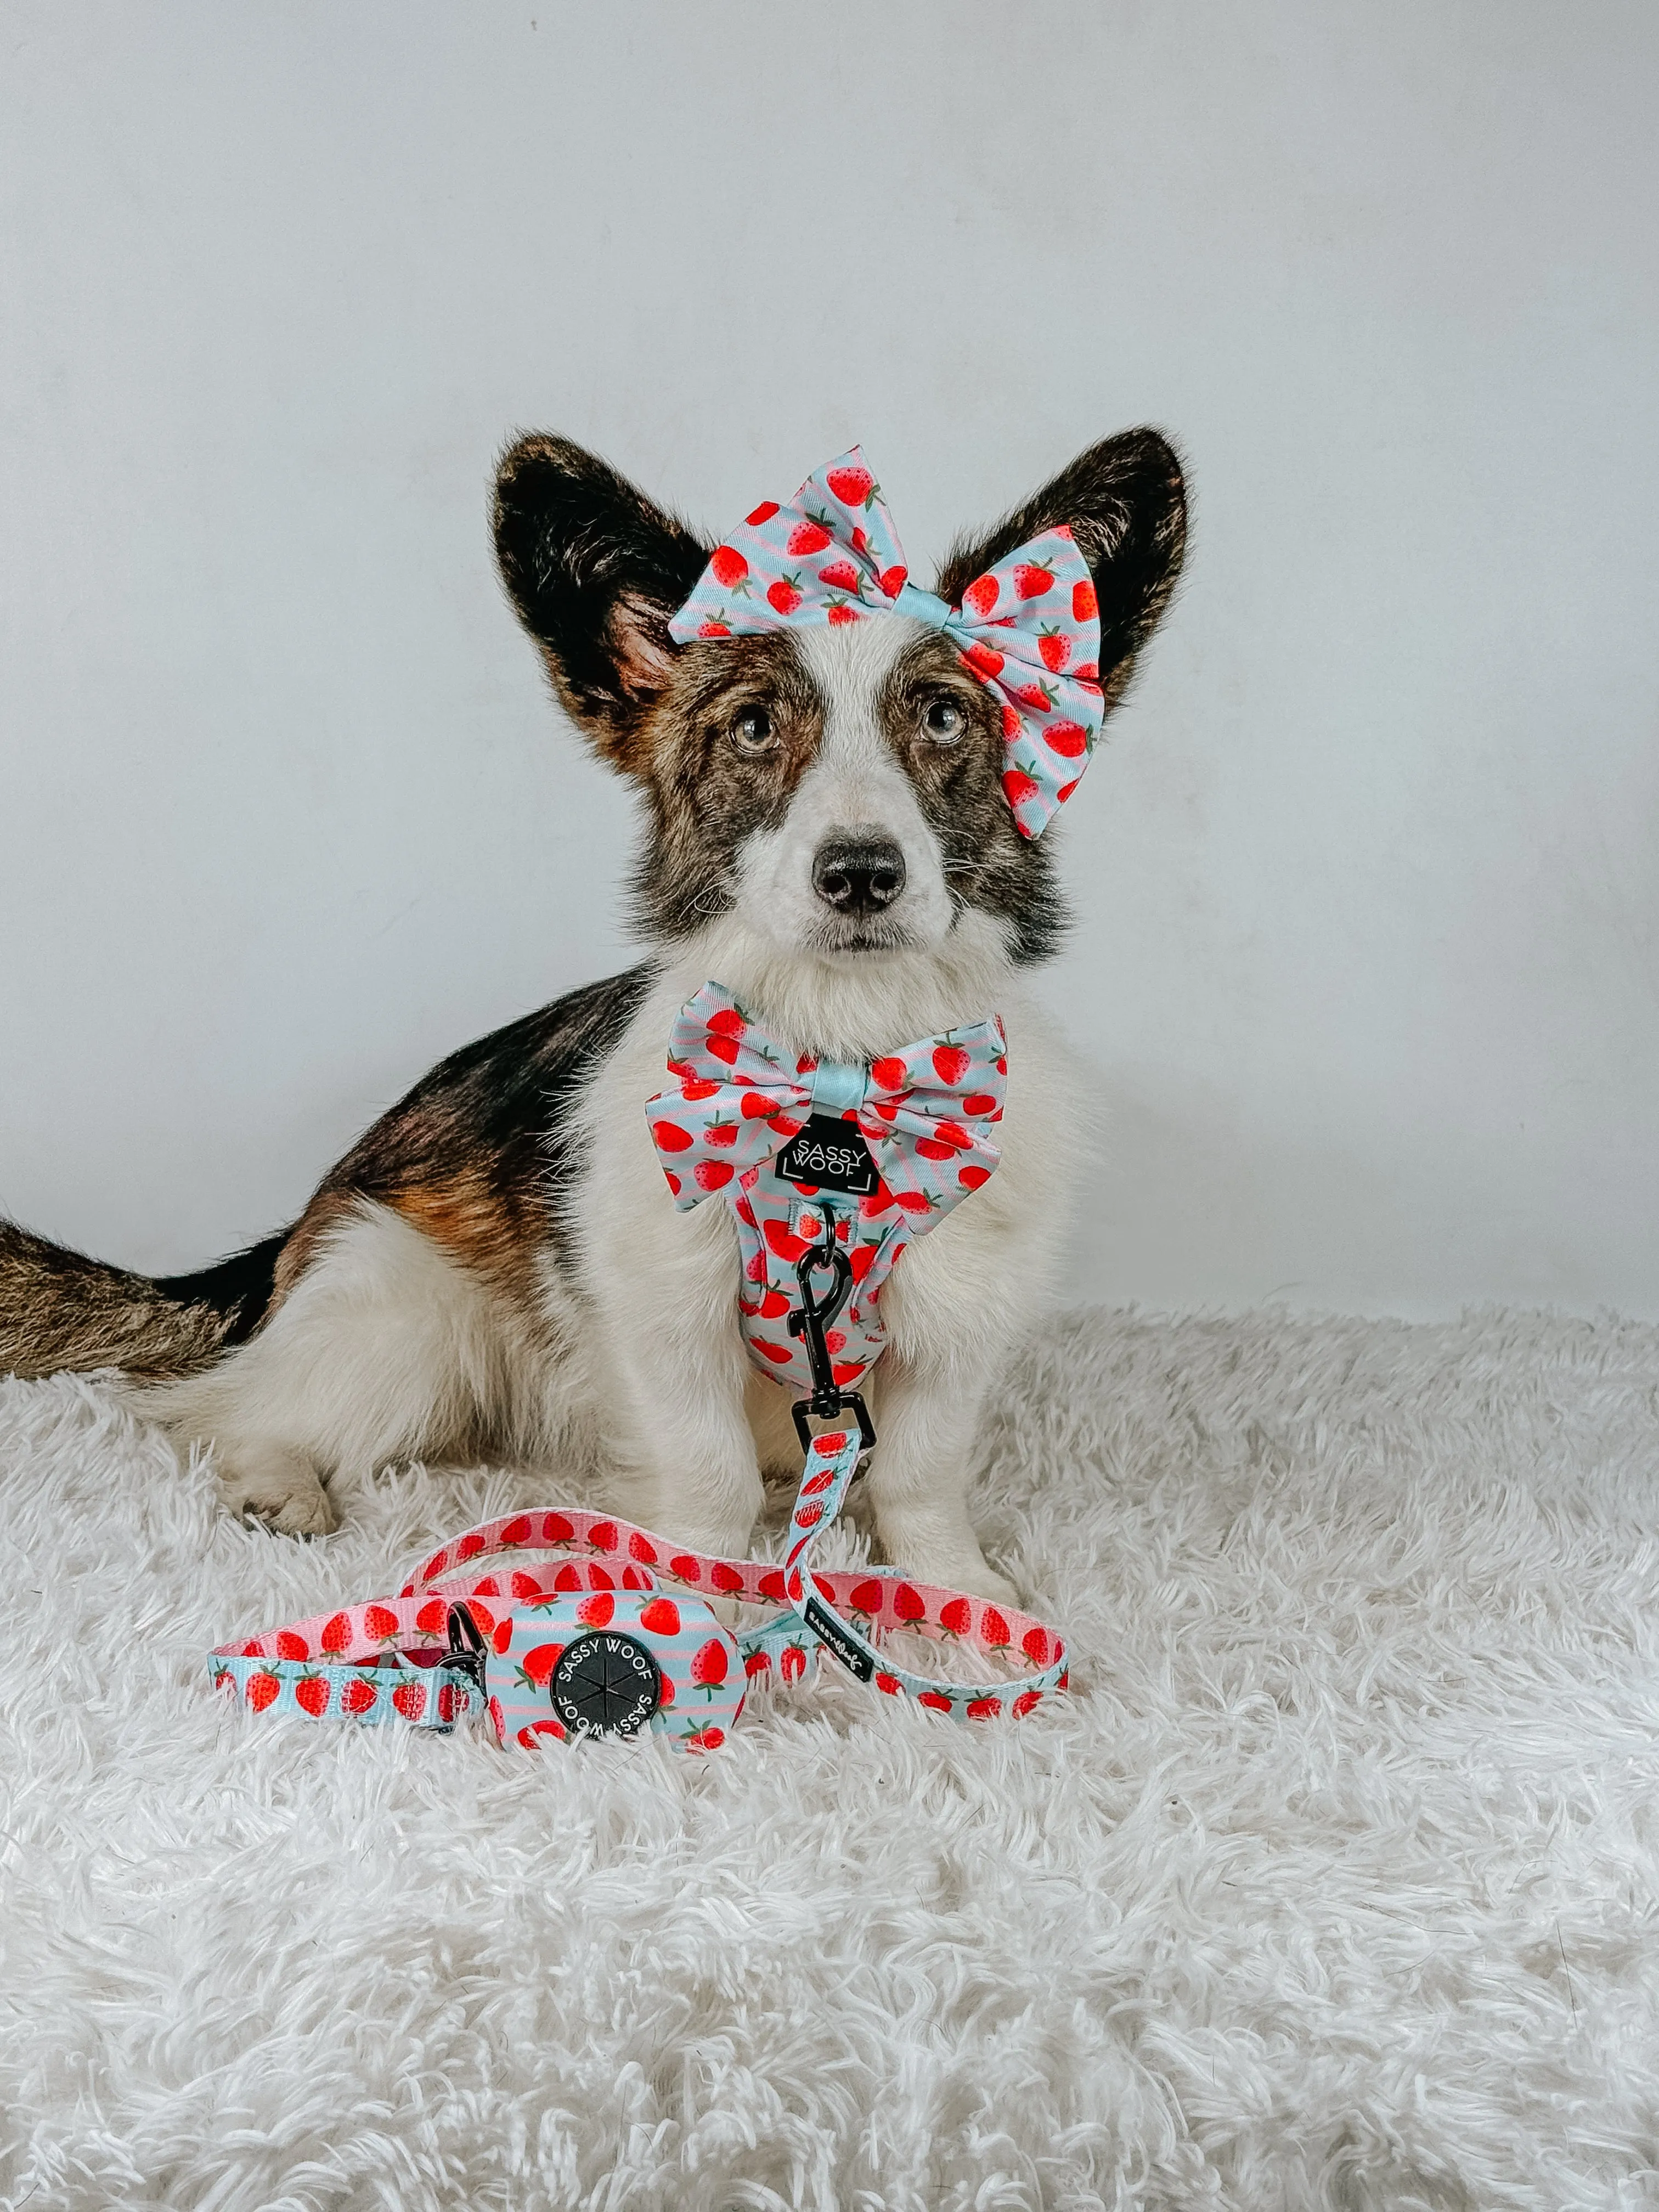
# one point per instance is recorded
(595, 570)
(1125, 502)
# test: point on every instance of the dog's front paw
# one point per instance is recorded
(268, 1482)
(945, 1552)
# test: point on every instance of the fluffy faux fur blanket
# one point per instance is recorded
(1334, 1882)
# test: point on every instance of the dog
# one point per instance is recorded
(495, 1268)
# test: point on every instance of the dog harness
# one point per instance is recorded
(810, 1153)
(1029, 627)
(560, 1623)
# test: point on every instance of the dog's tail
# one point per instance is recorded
(61, 1311)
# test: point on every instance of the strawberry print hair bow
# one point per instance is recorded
(1029, 627)
(924, 1117)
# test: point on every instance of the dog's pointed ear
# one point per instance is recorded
(1126, 503)
(595, 571)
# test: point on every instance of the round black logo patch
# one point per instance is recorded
(606, 1683)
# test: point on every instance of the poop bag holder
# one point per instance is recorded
(560, 1624)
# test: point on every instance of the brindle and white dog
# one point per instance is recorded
(496, 1267)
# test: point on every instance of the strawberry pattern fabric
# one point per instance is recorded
(1029, 627)
(927, 1114)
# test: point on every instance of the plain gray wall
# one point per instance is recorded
(1365, 884)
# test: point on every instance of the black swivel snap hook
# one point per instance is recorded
(811, 1321)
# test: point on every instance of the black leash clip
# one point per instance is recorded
(828, 1401)
(466, 1647)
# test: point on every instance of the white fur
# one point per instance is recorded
(1331, 1885)
(387, 1349)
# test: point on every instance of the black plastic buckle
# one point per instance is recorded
(828, 1401)
(466, 1647)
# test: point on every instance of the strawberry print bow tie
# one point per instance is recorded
(1029, 627)
(807, 1151)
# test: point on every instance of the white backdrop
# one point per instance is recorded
(1367, 899)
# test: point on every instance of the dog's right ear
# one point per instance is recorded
(595, 571)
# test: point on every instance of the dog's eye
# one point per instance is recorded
(752, 731)
(943, 721)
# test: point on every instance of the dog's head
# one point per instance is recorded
(837, 790)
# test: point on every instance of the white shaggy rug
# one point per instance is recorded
(1335, 1881)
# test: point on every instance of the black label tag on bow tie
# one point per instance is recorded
(829, 1155)
(831, 1633)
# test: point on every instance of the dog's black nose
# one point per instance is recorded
(857, 874)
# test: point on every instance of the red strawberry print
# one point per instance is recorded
(908, 1605)
(570, 1577)
(984, 1708)
(973, 1176)
(256, 1650)
(888, 1685)
(603, 1536)
(891, 1072)
(792, 1663)
(713, 630)
(359, 1697)
(980, 1103)
(636, 1578)
(1069, 739)
(729, 567)
(1056, 650)
(537, 1732)
(807, 1516)
(555, 1529)
(720, 1133)
(488, 1588)
(661, 1617)
(525, 1586)
(726, 1021)
(785, 594)
(847, 1371)
(410, 1698)
(853, 487)
(786, 1246)
(1063, 1680)
(758, 1662)
(956, 1615)
(1019, 786)
(709, 1665)
(498, 1719)
(818, 1483)
(337, 1632)
(469, 1546)
(536, 1666)
(696, 1088)
(433, 1617)
(754, 1266)
(290, 1646)
(981, 596)
(452, 1702)
(841, 576)
(516, 1532)
(669, 1136)
(705, 1739)
(807, 537)
(504, 1635)
(1035, 1644)
(771, 1585)
(952, 1062)
(936, 1700)
(840, 613)
(893, 580)
(1084, 605)
(596, 1611)
(1037, 697)
(1031, 580)
(711, 1175)
(993, 1630)
(1013, 727)
(484, 1618)
(688, 1569)
(640, 1547)
(729, 1579)
(772, 1306)
(1026, 1702)
(779, 1354)
(310, 1695)
(982, 660)
(262, 1689)
(764, 512)
(595, 1576)
(867, 1597)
